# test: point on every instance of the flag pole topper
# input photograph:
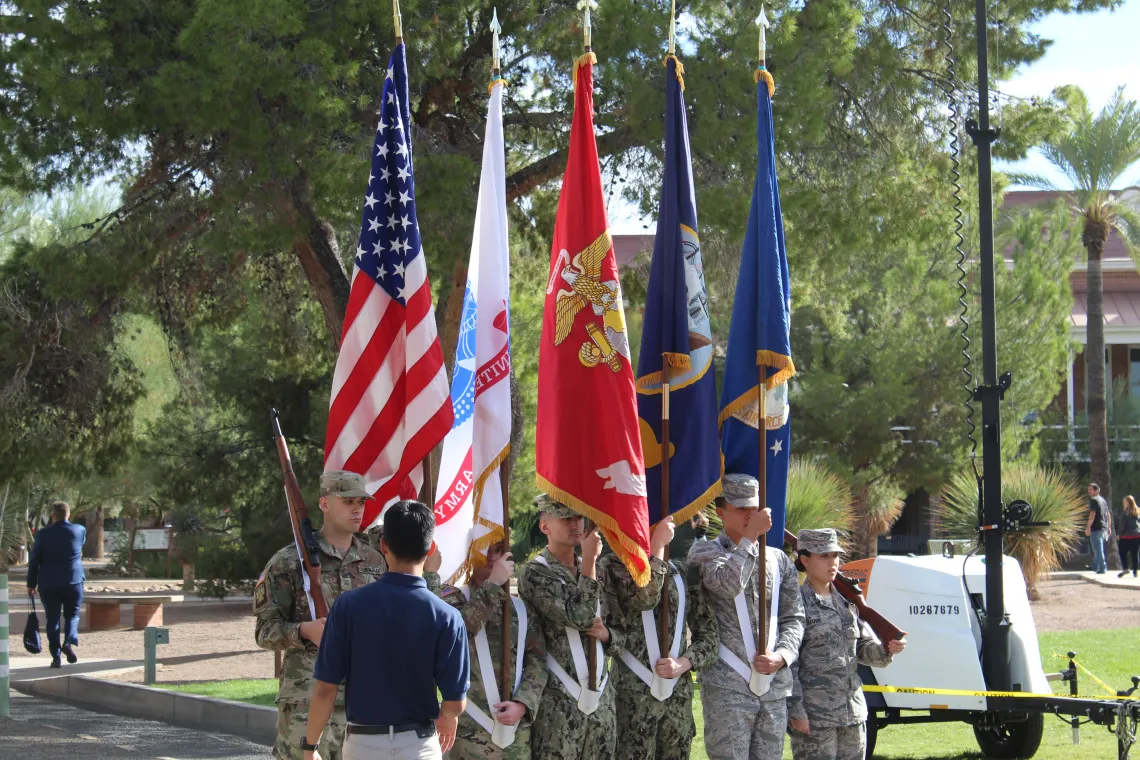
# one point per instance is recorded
(586, 6)
(762, 63)
(397, 21)
(496, 29)
(763, 23)
(673, 28)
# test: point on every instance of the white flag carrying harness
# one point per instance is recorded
(588, 699)
(758, 683)
(660, 688)
(501, 736)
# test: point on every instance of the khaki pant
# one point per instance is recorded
(402, 746)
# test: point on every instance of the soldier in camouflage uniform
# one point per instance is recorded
(481, 604)
(827, 711)
(562, 590)
(738, 724)
(648, 728)
(285, 623)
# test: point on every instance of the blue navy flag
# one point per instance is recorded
(677, 335)
(759, 341)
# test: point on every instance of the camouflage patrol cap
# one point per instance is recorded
(548, 505)
(740, 490)
(347, 485)
(820, 541)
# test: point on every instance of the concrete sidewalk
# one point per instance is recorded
(1108, 579)
(40, 729)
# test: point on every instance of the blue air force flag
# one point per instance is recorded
(677, 336)
(759, 343)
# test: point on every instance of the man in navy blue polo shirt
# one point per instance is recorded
(393, 643)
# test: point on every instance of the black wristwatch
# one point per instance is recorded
(306, 747)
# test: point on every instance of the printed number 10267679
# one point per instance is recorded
(934, 609)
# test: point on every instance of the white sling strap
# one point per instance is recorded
(661, 688)
(757, 682)
(587, 698)
(498, 731)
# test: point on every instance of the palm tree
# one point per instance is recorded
(1093, 156)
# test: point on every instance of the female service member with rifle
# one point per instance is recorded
(827, 711)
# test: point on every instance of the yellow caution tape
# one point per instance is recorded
(1088, 673)
(964, 693)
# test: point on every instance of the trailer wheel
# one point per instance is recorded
(1012, 740)
(872, 734)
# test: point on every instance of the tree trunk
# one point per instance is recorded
(316, 248)
(94, 547)
(453, 312)
(1094, 236)
(131, 546)
(864, 541)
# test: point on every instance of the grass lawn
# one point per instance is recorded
(1111, 655)
(258, 692)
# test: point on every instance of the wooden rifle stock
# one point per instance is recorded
(849, 590)
(303, 532)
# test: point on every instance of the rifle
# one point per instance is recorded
(303, 532)
(849, 590)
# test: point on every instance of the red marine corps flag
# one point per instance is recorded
(588, 444)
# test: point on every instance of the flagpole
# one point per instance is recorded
(504, 481)
(398, 22)
(591, 651)
(762, 432)
(762, 477)
(505, 484)
(663, 615)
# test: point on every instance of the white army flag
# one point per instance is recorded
(469, 497)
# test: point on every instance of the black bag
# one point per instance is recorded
(32, 631)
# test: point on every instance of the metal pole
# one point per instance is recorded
(995, 641)
(762, 472)
(663, 610)
(5, 706)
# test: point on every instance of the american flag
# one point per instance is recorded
(390, 402)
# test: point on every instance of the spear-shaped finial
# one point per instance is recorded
(763, 23)
(496, 29)
(397, 21)
(587, 5)
(673, 28)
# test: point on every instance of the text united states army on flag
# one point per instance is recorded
(390, 401)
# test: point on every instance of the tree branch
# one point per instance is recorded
(547, 168)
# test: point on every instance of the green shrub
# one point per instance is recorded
(1055, 497)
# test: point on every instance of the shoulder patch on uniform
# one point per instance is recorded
(447, 591)
(260, 592)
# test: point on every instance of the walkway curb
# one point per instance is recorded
(253, 722)
(1108, 580)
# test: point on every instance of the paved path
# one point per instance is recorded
(41, 730)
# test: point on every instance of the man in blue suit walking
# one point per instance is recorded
(56, 568)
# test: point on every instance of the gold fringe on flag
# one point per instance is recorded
(780, 362)
(495, 81)
(480, 545)
(763, 74)
(589, 58)
(680, 70)
(681, 363)
(702, 501)
(622, 545)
